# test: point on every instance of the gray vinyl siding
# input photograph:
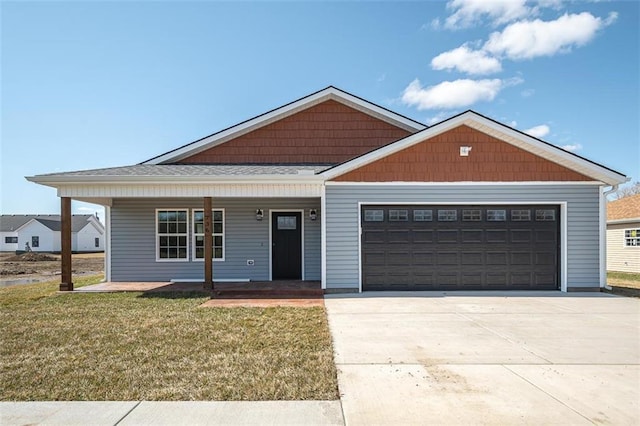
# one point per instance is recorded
(583, 254)
(133, 239)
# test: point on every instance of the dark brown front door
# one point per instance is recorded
(286, 250)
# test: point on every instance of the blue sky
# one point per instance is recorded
(98, 84)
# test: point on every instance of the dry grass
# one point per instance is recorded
(128, 346)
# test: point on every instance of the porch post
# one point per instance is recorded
(65, 244)
(208, 245)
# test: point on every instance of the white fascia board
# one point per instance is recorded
(492, 128)
(56, 181)
(623, 221)
(283, 112)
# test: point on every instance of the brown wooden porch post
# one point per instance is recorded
(208, 245)
(65, 244)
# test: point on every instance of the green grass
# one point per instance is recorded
(127, 346)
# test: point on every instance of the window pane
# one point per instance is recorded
(171, 216)
(373, 215)
(198, 216)
(287, 222)
(398, 215)
(217, 215)
(545, 214)
(182, 216)
(162, 216)
(217, 253)
(521, 215)
(217, 228)
(447, 215)
(164, 254)
(473, 215)
(182, 228)
(200, 253)
(422, 215)
(198, 228)
(496, 215)
(217, 241)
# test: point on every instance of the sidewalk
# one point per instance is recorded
(123, 413)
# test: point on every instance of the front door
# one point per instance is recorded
(286, 250)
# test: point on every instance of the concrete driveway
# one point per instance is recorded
(487, 358)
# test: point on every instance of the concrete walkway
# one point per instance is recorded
(487, 358)
(171, 413)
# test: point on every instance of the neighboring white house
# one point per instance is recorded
(623, 234)
(42, 233)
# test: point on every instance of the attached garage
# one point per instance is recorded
(460, 247)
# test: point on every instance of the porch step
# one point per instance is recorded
(268, 290)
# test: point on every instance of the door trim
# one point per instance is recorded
(563, 255)
(271, 211)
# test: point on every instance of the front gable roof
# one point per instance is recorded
(329, 94)
(15, 222)
(494, 129)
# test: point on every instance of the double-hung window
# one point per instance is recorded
(217, 231)
(632, 237)
(172, 230)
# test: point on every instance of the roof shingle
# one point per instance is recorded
(624, 208)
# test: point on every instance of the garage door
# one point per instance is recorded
(474, 247)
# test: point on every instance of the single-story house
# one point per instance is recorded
(334, 188)
(623, 234)
(42, 233)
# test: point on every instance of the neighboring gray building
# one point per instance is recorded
(42, 233)
(337, 189)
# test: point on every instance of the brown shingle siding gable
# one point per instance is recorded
(329, 132)
(624, 208)
(438, 160)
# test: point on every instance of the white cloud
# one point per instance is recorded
(471, 12)
(466, 60)
(527, 93)
(452, 94)
(538, 131)
(530, 39)
(572, 147)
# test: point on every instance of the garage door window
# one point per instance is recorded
(398, 215)
(447, 215)
(422, 215)
(521, 215)
(374, 215)
(496, 215)
(471, 215)
(543, 215)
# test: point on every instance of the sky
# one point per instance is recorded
(97, 84)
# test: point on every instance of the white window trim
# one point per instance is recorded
(624, 238)
(194, 235)
(158, 259)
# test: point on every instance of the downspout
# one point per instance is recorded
(603, 234)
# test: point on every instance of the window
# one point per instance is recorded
(471, 215)
(521, 215)
(398, 215)
(171, 235)
(447, 215)
(422, 215)
(287, 223)
(496, 215)
(97, 242)
(35, 241)
(545, 215)
(11, 240)
(373, 215)
(632, 237)
(217, 232)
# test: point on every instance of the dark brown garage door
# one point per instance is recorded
(440, 247)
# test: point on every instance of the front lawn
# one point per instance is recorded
(623, 279)
(130, 346)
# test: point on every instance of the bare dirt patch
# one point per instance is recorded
(45, 266)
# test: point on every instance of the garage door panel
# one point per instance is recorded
(472, 258)
(472, 236)
(447, 236)
(441, 247)
(496, 236)
(374, 236)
